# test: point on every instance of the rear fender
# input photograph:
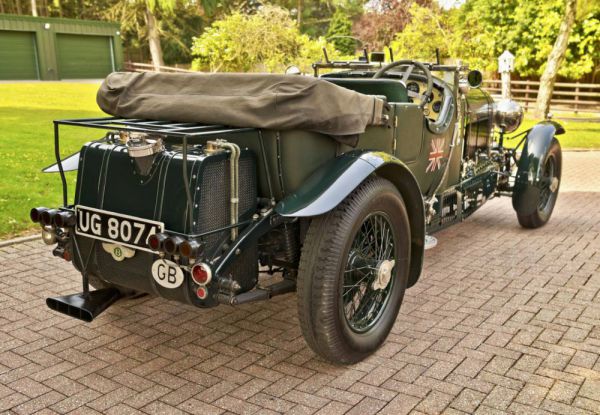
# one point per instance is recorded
(333, 182)
(537, 143)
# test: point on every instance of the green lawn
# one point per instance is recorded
(579, 134)
(26, 144)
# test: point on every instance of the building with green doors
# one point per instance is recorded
(47, 48)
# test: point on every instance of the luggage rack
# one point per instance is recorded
(168, 128)
(177, 132)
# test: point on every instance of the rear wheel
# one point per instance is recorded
(353, 273)
(548, 186)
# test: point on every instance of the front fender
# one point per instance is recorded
(333, 182)
(537, 143)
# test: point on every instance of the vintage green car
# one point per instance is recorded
(200, 182)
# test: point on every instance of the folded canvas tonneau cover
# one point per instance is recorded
(278, 102)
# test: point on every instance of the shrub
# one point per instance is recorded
(268, 40)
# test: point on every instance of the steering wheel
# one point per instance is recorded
(411, 66)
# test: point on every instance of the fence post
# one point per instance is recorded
(576, 97)
(527, 96)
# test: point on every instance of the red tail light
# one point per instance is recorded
(61, 252)
(201, 274)
(155, 241)
(171, 245)
(202, 293)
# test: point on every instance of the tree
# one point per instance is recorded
(143, 19)
(384, 18)
(268, 40)
(431, 29)
(313, 17)
(483, 29)
(34, 8)
(555, 59)
(153, 30)
(339, 32)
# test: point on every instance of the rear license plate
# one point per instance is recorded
(115, 227)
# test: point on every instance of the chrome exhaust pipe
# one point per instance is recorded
(84, 306)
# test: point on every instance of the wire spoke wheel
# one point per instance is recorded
(353, 272)
(535, 200)
(363, 296)
(547, 184)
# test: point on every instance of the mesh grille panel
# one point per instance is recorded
(247, 181)
(213, 206)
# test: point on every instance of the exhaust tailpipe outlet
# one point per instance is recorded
(47, 217)
(84, 306)
(35, 214)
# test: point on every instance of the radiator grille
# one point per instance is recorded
(213, 205)
(214, 201)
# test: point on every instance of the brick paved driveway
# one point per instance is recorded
(503, 320)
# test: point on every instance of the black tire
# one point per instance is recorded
(548, 192)
(326, 255)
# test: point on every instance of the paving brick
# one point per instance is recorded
(401, 404)
(368, 406)
(468, 400)
(236, 406)
(591, 389)
(110, 399)
(500, 397)
(440, 370)
(435, 403)
(306, 399)
(29, 387)
(75, 401)
(532, 395)
(563, 392)
(38, 404)
(160, 408)
(194, 406)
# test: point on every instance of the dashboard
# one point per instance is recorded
(433, 108)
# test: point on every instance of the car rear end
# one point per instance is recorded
(144, 220)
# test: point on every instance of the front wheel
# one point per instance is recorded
(353, 273)
(545, 191)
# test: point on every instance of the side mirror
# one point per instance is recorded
(377, 57)
(474, 79)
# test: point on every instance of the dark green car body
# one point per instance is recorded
(442, 150)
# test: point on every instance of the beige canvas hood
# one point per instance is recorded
(269, 101)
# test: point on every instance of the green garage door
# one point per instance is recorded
(81, 56)
(18, 57)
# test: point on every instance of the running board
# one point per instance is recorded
(84, 306)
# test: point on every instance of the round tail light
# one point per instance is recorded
(201, 274)
(171, 245)
(35, 214)
(156, 240)
(190, 249)
(202, 293)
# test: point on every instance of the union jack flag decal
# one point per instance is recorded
(435, 155)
